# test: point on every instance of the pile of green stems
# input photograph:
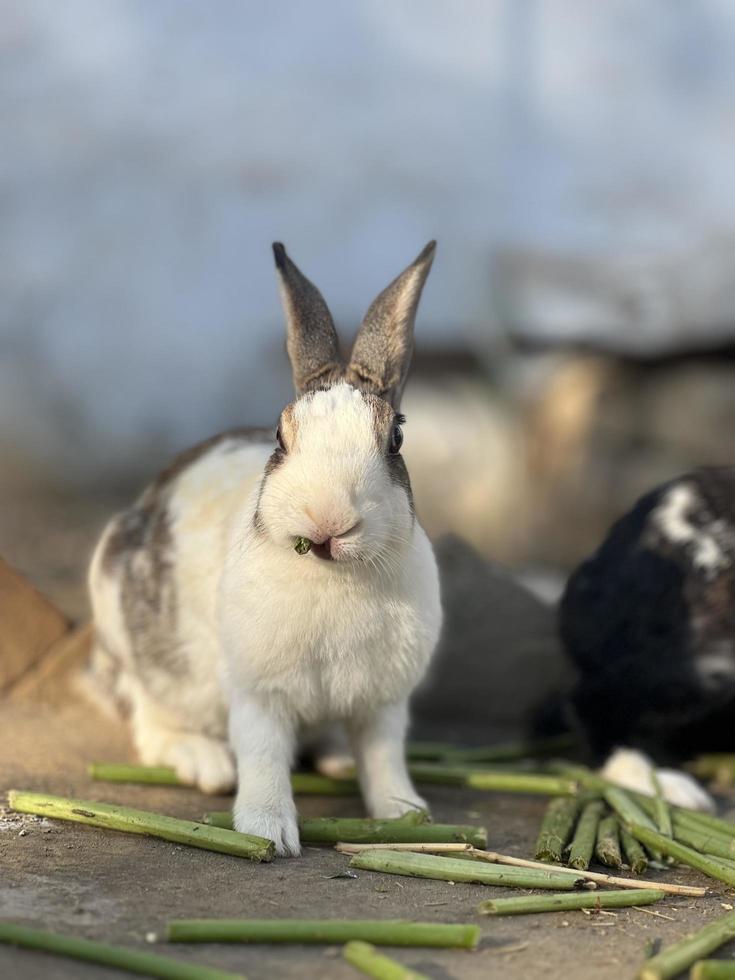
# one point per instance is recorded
(619, 828)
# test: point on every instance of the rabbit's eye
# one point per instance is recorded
(396, 440)
(279, 439)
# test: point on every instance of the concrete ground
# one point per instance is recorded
(117, 887)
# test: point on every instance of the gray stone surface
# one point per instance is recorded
(117, 887)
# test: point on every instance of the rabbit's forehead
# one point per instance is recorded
(339, 410)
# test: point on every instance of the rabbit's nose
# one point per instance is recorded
(330, 548)
(323, 535)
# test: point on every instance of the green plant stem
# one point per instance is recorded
(626, 808)
(314, 784)
(119, 772)
(332, 830)
(704, 841)
(575, 900)
(556, 829)
(713, 970)
(593, 781)
(119, 957)
(630, 813)
(381, 932)
(493, 780)
(583, 841)
(634, 853)
(455, 869)
(685, 855)
(512, 751)
(607, 846)
(429, 751)
(674, 960)
(301, 782)
(705, 821)
(130, 821)
(662, 813)
(366, 958)
(596, 876)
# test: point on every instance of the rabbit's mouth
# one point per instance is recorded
(323, 550)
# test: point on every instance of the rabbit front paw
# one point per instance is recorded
(277, 823)
(390, 806)
(198, 760)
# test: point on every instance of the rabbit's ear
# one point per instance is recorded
(381, 355)
(312, 344)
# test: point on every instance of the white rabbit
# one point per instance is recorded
(205, 610)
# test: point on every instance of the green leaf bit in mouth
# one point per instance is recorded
(302, 546)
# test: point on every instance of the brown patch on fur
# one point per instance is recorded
(399, 475)
(383, 419)
(139, 550)
(274, 461)
(288, 425)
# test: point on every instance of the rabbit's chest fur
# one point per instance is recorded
(327, 643)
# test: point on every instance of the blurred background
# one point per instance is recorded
(574, 161)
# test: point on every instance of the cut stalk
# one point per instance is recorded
(685, 855)
(454, 869)
(380, 932)
(430, 751)
(130, 821)
(414, 818)
(562, 903)
(634, 853)
(118, 772)
(630, 813)
(510, 782)
(646, 802)
(119, 957)
(713, 970)
(626, 808)
(674, 960)
(345, 847)
(493, 780)
(313, 784)
(705, 821)
(556, 829)
(596, 876)
(513, 751)
(607, 846)
(366, 958)
(705, 842)
(301, 782)
(662, 813)
(332, 830)
(583, 842)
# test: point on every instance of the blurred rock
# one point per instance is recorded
(499, 657)
(650, 304)
(640, 424)
(464, 449)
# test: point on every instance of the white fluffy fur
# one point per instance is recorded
(633, 770)
(672, 518)
(280, 641)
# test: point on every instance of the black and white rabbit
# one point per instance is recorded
(649, 623)
(209, 619)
